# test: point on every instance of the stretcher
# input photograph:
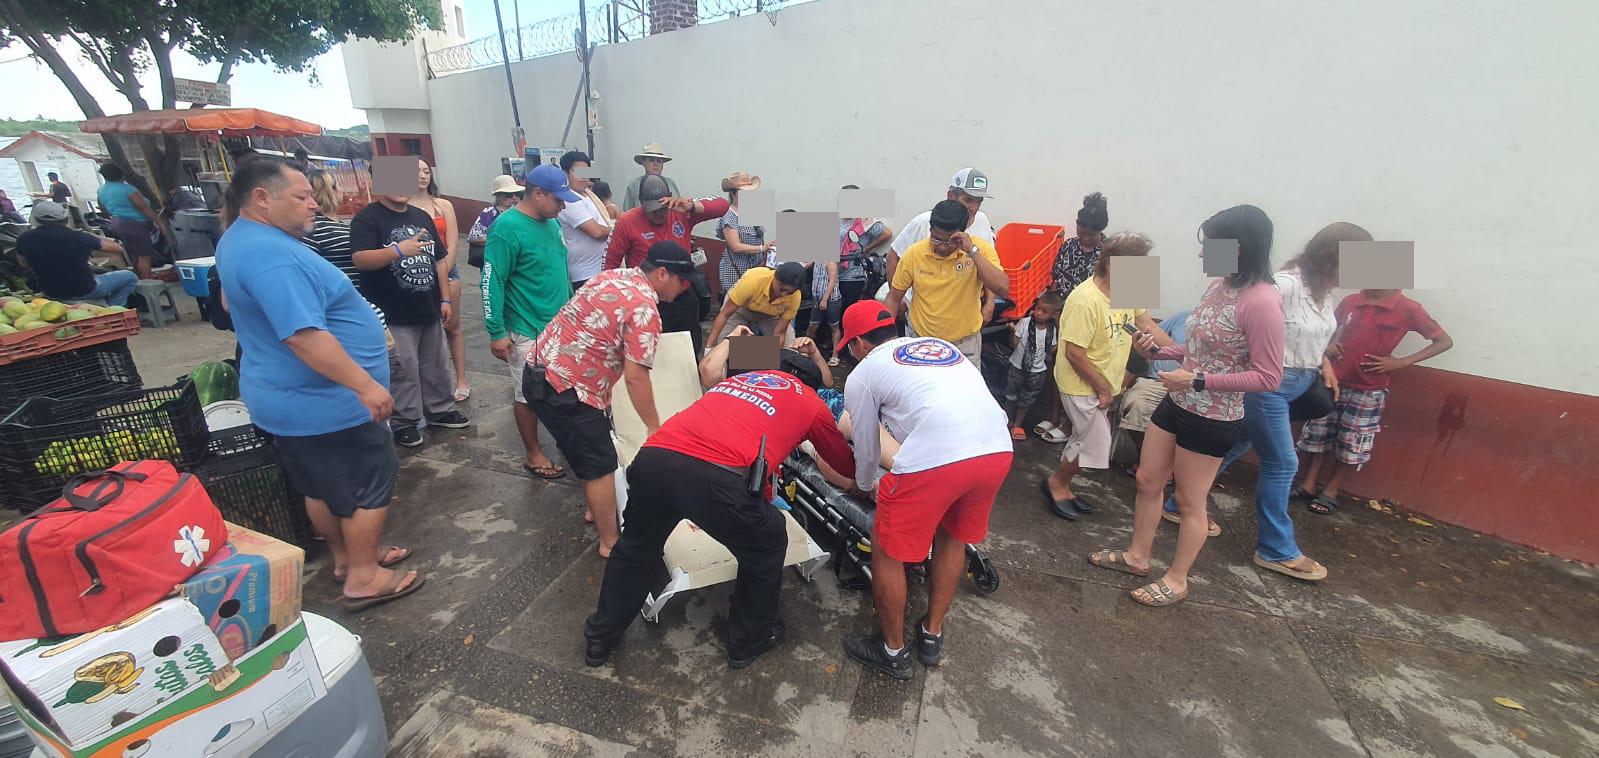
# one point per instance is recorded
(828, 512)
(693, 559)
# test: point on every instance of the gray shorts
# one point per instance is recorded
(351, 469)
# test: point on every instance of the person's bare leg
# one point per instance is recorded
(362, 531)
(1154, 468)
(332, 531)
(1312, 472)
(1195, 474)
(949, 565)
(457, 339)
(838, 334)
(601, 497)
(527, 425)
(1335, 482)
(141, 265)
(1060, 482)
(888, 595)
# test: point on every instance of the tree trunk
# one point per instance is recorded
(42, 46)
(167, 154)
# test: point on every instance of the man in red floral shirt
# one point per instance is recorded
(607, 331)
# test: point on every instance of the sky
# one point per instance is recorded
(325, 102)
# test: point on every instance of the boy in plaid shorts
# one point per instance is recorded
(1371, 323)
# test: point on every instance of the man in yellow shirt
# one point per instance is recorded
(1091, 364)
(765, 300)
(949, 270)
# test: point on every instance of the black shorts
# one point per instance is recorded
(351, 469)
(1196, 433)
(581, 431)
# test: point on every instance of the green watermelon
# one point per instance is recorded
(215, 380)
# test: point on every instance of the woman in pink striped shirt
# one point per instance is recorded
(1234, 345)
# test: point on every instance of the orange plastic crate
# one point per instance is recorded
(1027, 251)
(91, 331)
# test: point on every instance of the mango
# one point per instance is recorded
(7, 329)
(25, 324)
(15, 309)
(67, 332)
(52, 312)
(79, 315)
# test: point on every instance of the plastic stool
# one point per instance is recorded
(153, 292)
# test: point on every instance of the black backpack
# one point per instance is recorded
(219, 315)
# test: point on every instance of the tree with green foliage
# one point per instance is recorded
(127, 40)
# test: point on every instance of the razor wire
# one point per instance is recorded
(607, 23)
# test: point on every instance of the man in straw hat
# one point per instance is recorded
(653, 158)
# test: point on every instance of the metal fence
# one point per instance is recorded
(608, 23)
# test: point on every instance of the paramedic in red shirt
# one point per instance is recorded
(663, 217)
(696, 467)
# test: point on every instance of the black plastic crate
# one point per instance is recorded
(93, 370)
(47, 440)
(250, 490)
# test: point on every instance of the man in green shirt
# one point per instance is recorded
(524, 284)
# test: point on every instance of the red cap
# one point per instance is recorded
(865, 316)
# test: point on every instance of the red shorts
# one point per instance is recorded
(956, 497)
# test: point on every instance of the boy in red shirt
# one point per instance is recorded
(697, 467)
(1371, 323)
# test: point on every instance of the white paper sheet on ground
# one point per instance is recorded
(693, 559)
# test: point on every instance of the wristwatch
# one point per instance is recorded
(972, 252)
(1199, 381)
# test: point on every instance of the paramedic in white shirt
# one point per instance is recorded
(955, 452)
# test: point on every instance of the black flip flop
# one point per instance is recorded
(560, 473)
(1322, 505)
(1061, 508)
(362, 603)
(1300, 493)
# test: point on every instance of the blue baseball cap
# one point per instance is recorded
(551, 179)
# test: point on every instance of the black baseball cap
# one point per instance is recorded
(651, 191)
(672, 257)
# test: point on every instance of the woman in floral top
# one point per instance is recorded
(1234, 346)
(506, 194)
(1074, 263)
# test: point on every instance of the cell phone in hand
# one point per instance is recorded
(1128, 327)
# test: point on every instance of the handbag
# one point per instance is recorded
(1315, 402)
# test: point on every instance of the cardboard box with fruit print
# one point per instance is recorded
(228, 712)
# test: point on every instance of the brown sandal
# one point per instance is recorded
(410, 582)
(1159, 594)
(1316, 573)
(1116, 560)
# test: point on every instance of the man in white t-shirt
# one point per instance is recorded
(954, 454)
(969, 187)
(584, 227)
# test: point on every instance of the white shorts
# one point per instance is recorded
(521, 347)
(1091, 439)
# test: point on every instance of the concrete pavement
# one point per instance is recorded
(1400, 652)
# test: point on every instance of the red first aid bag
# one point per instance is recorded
(113, 544)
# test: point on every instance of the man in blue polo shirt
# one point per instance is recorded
(314, 374)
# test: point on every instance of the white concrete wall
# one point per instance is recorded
(1466, 126)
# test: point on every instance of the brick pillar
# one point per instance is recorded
(667, 15)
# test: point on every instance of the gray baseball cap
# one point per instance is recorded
(45, 210)
(651, 191)
(972, 182)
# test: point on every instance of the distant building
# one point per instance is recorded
(75, 156)
(389, 82)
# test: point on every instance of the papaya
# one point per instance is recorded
(7, 329)
(52, 312)
(79, 314)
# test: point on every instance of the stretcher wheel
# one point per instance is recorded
(984, 576)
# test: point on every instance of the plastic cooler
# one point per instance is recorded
(348, 722)
(195, 274)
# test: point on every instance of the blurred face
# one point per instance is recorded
(579, 184)
(658, 216)
(424, 175)
(292, 207)
(781, 290)
(654, 166)
(943, 242)
(1088, 238)
(973, 204)
(505, 200)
